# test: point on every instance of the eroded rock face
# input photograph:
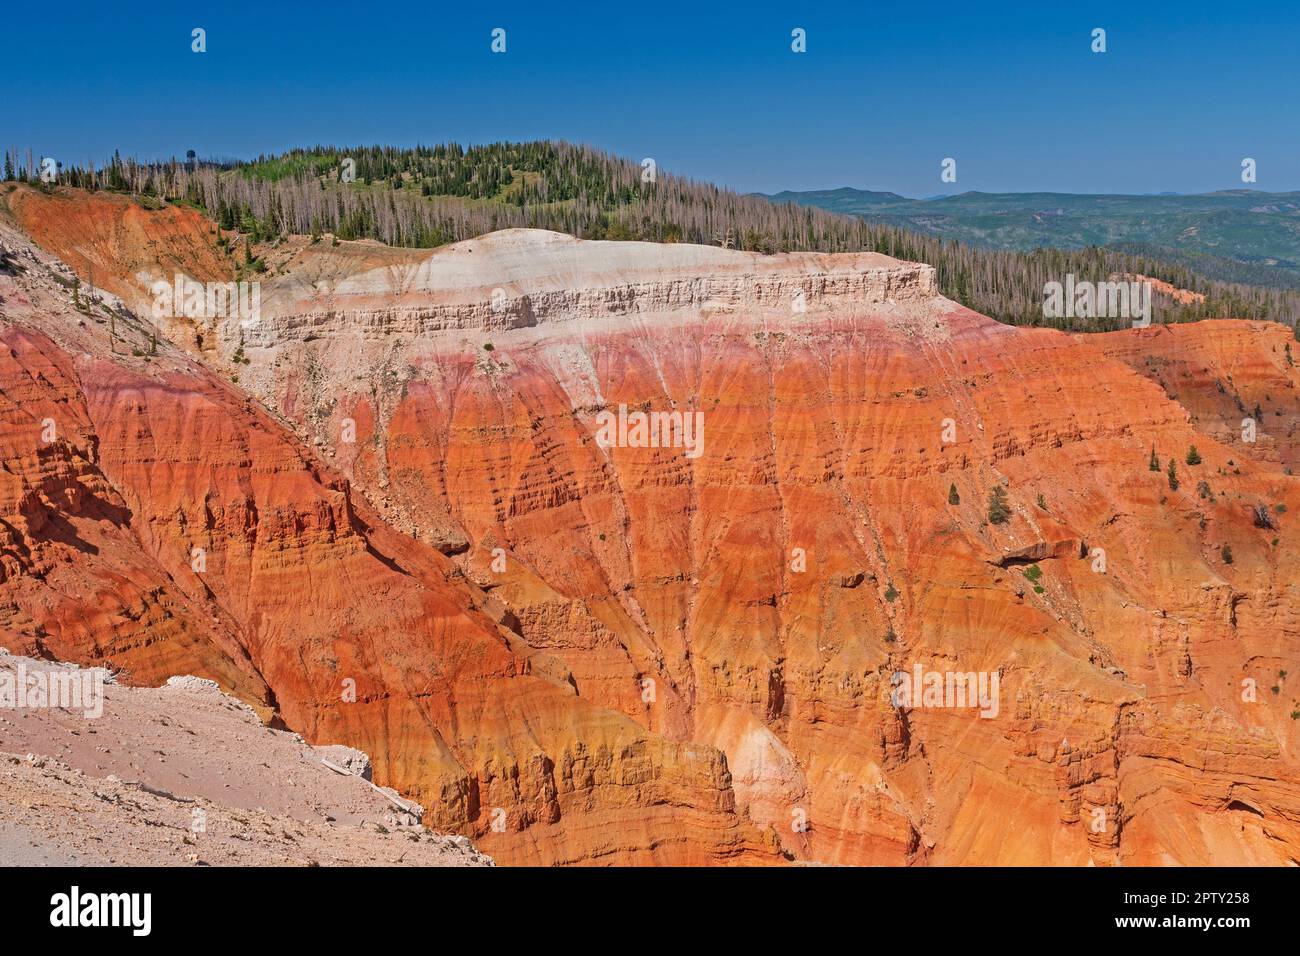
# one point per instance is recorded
(1237, 383)
(301, 600)
(640, 653)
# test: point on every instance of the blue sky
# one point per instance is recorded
(884, 92)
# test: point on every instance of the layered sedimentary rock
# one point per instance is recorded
(1238, 380)
(729, 619)
(169, 526)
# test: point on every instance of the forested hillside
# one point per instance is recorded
(1238, 235)
(430, 196)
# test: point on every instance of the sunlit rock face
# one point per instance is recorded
(627, 547)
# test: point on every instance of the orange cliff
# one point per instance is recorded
(635, 654)
(305, 603)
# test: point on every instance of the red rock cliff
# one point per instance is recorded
(642, 654)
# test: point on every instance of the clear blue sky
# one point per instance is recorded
(884, 93)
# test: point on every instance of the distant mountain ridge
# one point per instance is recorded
(1248, 235)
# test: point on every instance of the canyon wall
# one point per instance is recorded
(578, 652)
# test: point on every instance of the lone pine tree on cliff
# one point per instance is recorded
(999, 510)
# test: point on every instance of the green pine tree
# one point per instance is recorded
(1154, 464)
(999, 510)
(1173, 475)
(1193, 456)
(953, 497)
